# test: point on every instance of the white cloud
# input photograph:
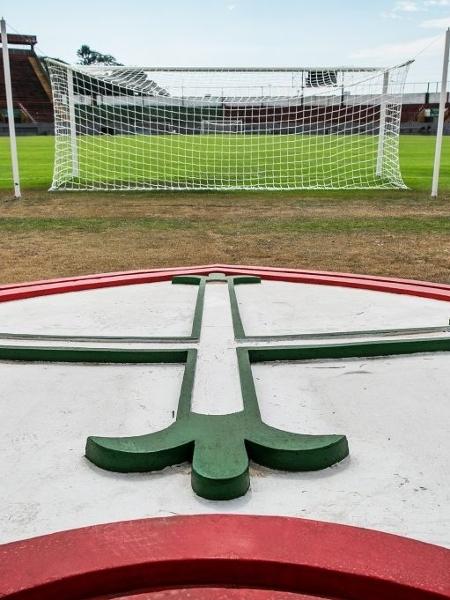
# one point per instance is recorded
(437, 3)
(441, 23)
(231, 6)
(407, 6)
(404, 8)
(391, 14)
(393, 53)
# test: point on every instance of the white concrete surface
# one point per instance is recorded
(156, 309)
(395, 412)
(217, 387)
(277, 308)
(47, 410)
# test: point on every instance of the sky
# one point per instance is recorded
(241, 32)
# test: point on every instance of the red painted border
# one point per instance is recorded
(382, 284)
(274, 553)
(223, 593)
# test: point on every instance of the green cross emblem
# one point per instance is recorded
(221, 446)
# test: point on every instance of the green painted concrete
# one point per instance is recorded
(90, 355)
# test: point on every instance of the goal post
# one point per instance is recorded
(441, 118)
(236, 128)
(72, 123)
(382, 127)
(10, 109)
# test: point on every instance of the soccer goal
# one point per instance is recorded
(120, 128)
(223, 126)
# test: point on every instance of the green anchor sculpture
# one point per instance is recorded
(219, 446)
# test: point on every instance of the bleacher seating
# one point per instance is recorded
(30, 87)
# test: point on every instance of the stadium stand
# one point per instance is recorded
(420, 113)
(32, 96)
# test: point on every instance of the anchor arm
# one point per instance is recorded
(278, 449)
(150, 452)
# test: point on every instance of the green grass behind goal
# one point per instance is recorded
(217, 157)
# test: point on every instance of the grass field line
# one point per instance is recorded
(273, 225)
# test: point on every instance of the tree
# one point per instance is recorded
(87, 56)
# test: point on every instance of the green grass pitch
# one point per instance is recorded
(181, 157)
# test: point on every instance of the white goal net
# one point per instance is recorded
(129, 128)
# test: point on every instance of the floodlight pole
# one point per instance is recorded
(440, 125)
(10, 108)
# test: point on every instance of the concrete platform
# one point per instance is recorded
(393, 409)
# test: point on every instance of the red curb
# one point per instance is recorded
(381, 284)
(225, 593)
(216, 551)
(218, 267)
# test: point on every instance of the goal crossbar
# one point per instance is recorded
(342, 68)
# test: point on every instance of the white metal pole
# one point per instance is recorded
(440, 126)
(73, 124)
(10, 108)
(382, 130)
